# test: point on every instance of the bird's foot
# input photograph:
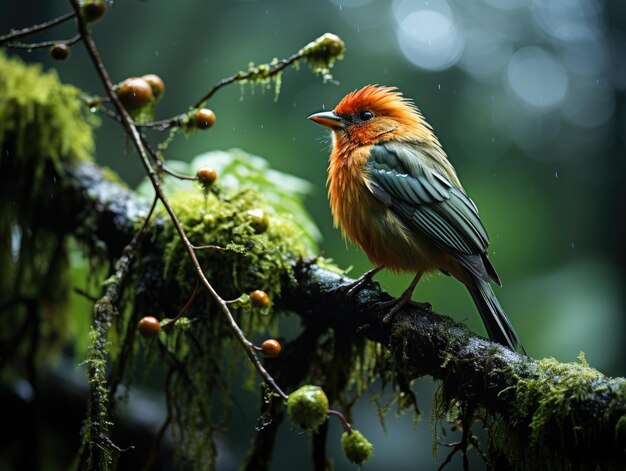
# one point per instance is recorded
(353, 288)
(398, 303)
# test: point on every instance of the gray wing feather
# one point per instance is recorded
(427, 201)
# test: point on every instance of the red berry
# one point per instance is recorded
(149, 326)
(60, 51)
(259, 298)
(271, 348)
(204, 118)
(134, 92)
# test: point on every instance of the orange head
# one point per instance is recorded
(374, 114)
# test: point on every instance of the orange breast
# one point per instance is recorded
(369, 223)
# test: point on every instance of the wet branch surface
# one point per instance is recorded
(472, 370)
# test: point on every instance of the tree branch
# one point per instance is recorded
(536, 402)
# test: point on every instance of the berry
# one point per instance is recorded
(155, 83)
(259, 298)
(206, 176)
(204, 118)
(271, 348)
(149, 326)
(356, 447)
(134, 93)
(308, 407)
(258, 220)
(60, 51)
(93, 10)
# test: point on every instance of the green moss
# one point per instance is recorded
(40, 117)
(42, 128)
(356, 447)
(556, 405)
(549, 395)
(322, 54)
(308, 407)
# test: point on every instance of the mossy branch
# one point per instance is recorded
(544, 411)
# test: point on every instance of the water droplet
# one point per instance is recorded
(572, 244)
(556, 174)
(439, 86)
(93, 109)
(263, 422)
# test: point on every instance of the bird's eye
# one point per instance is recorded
(366, 115)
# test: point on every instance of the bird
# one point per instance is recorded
(395, 194)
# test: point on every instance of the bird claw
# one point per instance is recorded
(398, 304)
(351, 289)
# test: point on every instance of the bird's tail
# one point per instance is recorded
(498, 325)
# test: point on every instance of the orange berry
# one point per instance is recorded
(259, 298)
(204, 118)
(60, 51)
(149, 326)
(206, 176)
(134, 92)
(155, 83)
(93, 10)
(271, 348)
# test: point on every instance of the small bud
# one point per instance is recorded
(203, 119)
(258, 220)
(206, 176)
(149, 326)
(93, 10)
(259, 298)
(271, 348)
(356, 447)
(156, 84)
(60, 51)
(134, 93)
(308, 407)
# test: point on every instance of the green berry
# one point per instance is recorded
(308, 407)
(356, 447)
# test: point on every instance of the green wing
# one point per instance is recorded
(404, 178)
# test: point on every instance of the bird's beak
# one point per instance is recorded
(328, 119)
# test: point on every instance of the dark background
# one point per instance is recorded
(527, 98)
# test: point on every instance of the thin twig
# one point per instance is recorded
(274, 69)
(67, 42)
(131, 129)
(20, 33)
(184, 310)
(344, 421)
(211, 247)
(160, 164)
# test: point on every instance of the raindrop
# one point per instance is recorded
(572, 244)
(439, 86)
(263, 422)
(556, 174)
